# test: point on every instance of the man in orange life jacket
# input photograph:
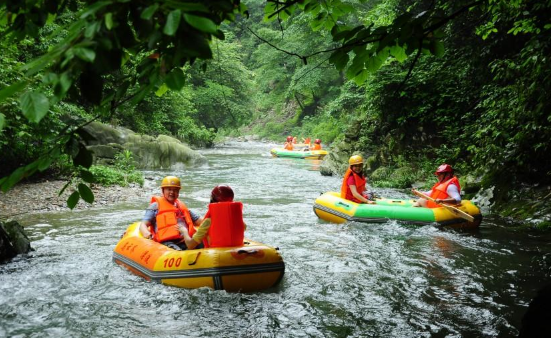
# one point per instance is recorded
(223, 224)
(446, 190)
(167, 218)
(353, 184)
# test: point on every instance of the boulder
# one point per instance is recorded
(163, 152)
(13, 240)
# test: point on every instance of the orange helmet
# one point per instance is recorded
(221, 193)
(171, 182)
(444, 168)
(318, 141)
(289, 138)
(355, 159)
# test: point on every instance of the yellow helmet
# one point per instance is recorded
(355, 159)
(171, 182)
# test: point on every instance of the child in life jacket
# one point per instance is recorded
(353, 186)
(223, 224)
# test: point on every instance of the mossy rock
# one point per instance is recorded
(13, 240)
(381, 174)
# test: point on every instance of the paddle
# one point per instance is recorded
(453, 210)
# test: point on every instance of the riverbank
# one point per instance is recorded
(38, 197)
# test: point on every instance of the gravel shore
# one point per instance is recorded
(43, 196)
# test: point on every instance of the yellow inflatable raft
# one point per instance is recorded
(252, 267)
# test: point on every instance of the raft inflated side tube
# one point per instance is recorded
(332, 208)
(251, 267)
(308, 154)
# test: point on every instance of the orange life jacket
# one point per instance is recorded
(288, 146)
(359, 181)
(167, 219)
(440, 191)
(307, 140)
(227, 227)
(316, 146)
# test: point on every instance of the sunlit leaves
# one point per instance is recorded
(162, 90)
(34, 105)
(399, 53)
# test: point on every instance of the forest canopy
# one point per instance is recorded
(417, 82)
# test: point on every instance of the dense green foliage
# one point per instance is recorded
(408, 83)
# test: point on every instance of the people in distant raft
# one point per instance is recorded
(316, 145)
(295, 140)
(446, 190)
(354, 183)
(306, 141)
(288, 145)
(223, 225)
(167, 218)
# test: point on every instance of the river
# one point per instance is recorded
(348, 280)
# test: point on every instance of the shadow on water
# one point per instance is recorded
(348, 280)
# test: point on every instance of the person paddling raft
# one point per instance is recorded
(446, 190)
(353, 186)
(167, 218)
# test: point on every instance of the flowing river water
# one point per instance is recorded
(348, 280)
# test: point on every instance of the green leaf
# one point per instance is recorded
(85, 54)
(361, 77)
(437, 48)
(373, 64)
(73, 200)
(12, 180)
(2, 121)
(34, 106)
(84, 157)
(64, 188)
(87, 176)
(92, 29)
(93, 8)
(10, 90)
(149, 11)
(162, 90)
(172, 22)
(86, 193)
(44, 163)
(399, 53)
(109, 20)
(176, 79)
(201, 23)
(339, 59)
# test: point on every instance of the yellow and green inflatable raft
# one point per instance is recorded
(306, 154)
(251, 267)
(332, 208)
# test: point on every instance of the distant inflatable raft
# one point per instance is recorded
(332, 208)
(307, 154)
(252, 267)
